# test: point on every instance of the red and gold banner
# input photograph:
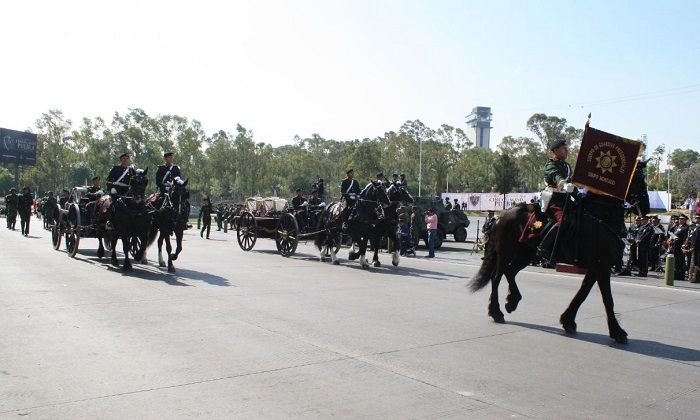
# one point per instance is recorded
(606, 162)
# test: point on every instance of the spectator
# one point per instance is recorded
(431, 227)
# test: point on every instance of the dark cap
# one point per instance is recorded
(349, 170)
(683, 216)
(638, 218)
(403, 175)
(380, 175)
(557, 144)
(168, 153)
(644, 217)
(696, 216)
(95, 178)
(125, 154)
(674, 217)
(297, 190)
(13, 189)
(654, 217)
(395, 175)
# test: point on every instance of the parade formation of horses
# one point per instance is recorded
(366, 220)
(589, 238)
(170, 213)
(131, 221)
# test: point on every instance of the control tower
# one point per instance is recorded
(479, 122)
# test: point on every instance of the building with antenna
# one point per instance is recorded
(479, 122)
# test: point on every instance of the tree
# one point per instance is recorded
(7, 180)
(505, 174)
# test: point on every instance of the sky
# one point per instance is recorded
(357, 69)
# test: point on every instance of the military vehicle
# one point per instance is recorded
(450, 222)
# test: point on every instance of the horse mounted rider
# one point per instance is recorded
(93, 194)
(349, 188)
(557, 174)
(166, 173)
(118, 181)
(299, 203)
(120, 175)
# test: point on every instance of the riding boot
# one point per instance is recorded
(544, 250)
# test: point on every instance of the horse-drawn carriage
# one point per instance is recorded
(272, 218)
(73, 221)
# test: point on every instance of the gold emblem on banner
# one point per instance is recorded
(606, 161)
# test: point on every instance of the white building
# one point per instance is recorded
(479, 122)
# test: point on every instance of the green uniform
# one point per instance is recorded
(11, 204)
(556, 171)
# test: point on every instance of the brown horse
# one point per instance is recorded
(589, 238)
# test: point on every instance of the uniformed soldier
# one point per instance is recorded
(24, 208)
(166, 173)
(643, 241)
(11, 204)
(205, 216)
(349, 186)
(681, 233)
(455, 206)
(488, 226)
(120, 176)
(315, 204)
(632, 233)
(557, 173)
(695, 249)
(395, 180)
(63, 199)
(49, 210)
(656, 242)
(448, 204)
(321, 188)
(402, 180)
(95, 190)
(687, 248)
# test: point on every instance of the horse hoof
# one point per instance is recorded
(161, 264)
(171, 269)
(499, 319)
(173, 257)
(100, 253)
(512, 304)
(115, 263)
(126, 268)
(395, 264)
(352, 256)
(619, 336)
(322, 259)
(336, 262)
(376, 264)
(569, 325)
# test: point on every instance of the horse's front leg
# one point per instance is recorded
(568, 318)
(169, 250)
(178, 243)
(363, 250)
(100, 248)
(114, 260)
(376, 242)
(161, 238)
(126, 243)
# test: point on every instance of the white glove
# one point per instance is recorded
(113, 191)
(569, 187)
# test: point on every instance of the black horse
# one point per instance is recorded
(589, 238)
(170, 214)
(366, 216)
(131, 221)
(329, 239)
(388, 227)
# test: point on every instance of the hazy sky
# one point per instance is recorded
(355, 69)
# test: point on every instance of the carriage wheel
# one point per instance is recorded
(247, 232)
(287, 235)
(56, 229)
(72, 230)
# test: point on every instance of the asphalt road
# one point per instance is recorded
(238, 334)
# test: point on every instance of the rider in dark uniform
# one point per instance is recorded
(349, 188)
(166, 173)
(556, 175)
(298, 203)
(95, 190)
(65, 195)
(120, 176)
(321, 188)
(448, 204)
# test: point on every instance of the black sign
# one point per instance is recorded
(17, 147)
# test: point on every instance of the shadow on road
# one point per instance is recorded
(644, 347)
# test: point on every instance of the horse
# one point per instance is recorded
(130, 220)
(328, 240)
(589, 238)
(170, 215)
(367, 214)
(388, 227)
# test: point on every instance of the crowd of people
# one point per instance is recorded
(650, 242)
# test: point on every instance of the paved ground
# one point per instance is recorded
(256, 335)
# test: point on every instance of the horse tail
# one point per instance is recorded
(153, 230)
(488, 267)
